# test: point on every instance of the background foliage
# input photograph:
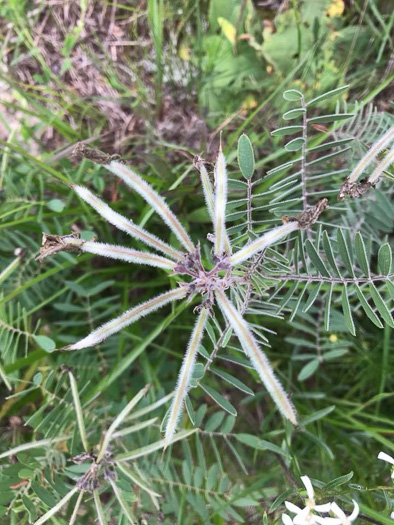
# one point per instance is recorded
(157, 82)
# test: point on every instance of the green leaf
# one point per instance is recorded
(319, 414)
(330, 254)
(279, 169)
(312, 297)
(293, 113)
(214, 421)
(316, 259)
(187, 473)
(297, 306)
(212, 477)
(329, 145)
(281, 498)
(347, 312)
(367, 309)
(43, 494)
(288, 295)
(233, 381)
(292, 94)
(381, 305)
(334, 354)
(46, 343)
(344, 252)
(259, 444)
(308, 370)
(361, 254)
(227, 337)
(328, 94)
(286, 130)
(228, 425)
(327, 309)
(337, 482)
(246, 156)
(30, 508)
(385, 259)
(390, 287)
(190, 411)
(330, 118)
(295, 144)
(56, 205)
(245, 502)
(219, 399)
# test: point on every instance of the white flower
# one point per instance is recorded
(385, 457)
(342, 519)
(286, 520)
(306, 515)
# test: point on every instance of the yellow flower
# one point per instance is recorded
(336, 8)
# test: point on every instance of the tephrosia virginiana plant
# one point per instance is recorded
(210, 284)
(227, 266)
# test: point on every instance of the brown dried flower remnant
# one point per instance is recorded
(52, 244)
(354, 189)
(309, 216)
(81, 151)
